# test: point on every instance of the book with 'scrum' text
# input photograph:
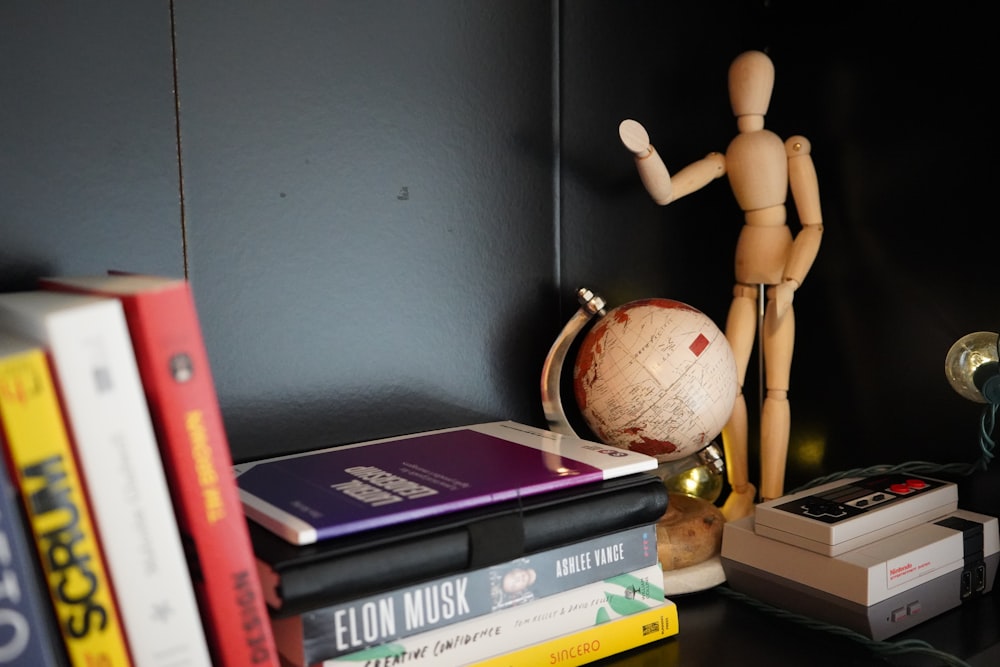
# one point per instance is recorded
(180, 390)
(44, 471)
(87, 341)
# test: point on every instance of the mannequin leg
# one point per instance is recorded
(741, 327)
(779, 341)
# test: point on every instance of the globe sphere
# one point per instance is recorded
(656, 376)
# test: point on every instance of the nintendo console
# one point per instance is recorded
(878, 555)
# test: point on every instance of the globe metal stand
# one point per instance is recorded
(591, 304)
(708, 461)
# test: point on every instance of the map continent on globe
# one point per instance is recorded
(656, 376)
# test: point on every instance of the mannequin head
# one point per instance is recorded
(751, 82)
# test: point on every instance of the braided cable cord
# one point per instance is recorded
(987, 446)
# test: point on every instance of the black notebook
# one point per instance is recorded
(299, 578)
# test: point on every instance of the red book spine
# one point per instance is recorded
(180, 389)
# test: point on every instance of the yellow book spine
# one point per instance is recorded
(52, 491)
(600, 641)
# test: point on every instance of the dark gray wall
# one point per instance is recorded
(369, 208)
(896, 109)
(88, 139)
(385, 207)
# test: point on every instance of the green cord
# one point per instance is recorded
(883, 648)
(987, 445)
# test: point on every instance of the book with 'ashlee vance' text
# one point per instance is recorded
(343, 490)
(375, 619)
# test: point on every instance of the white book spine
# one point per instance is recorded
(516, 627)
(103, 397)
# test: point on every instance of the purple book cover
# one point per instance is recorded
(342, 490)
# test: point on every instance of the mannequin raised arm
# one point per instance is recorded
(653, 173)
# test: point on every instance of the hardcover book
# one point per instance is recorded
(376, 619)
(338, 491)
(299, 578)
(94, 367)
(43, 469)
(601, 641)
(507, 630)
(28, 634)
(180, 390)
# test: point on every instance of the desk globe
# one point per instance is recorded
(659, 377)
(656, 376)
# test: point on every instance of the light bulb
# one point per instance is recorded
(971, 367)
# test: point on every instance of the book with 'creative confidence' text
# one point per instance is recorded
(581, 608)
(409, 610)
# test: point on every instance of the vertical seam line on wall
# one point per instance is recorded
(556, 148)
(177, 138)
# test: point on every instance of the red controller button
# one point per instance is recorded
(916, 483)
(900, 488)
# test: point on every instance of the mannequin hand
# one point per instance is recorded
(652, 171)
(784, 293)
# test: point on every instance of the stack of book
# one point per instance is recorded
(496, 544)
(127, 539)
(128, 542)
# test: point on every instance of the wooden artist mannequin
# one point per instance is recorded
(761, 169)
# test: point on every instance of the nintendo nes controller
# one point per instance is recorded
(834, 518)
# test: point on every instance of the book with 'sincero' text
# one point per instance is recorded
(584, 607)
(338, 491)
(601, 641)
